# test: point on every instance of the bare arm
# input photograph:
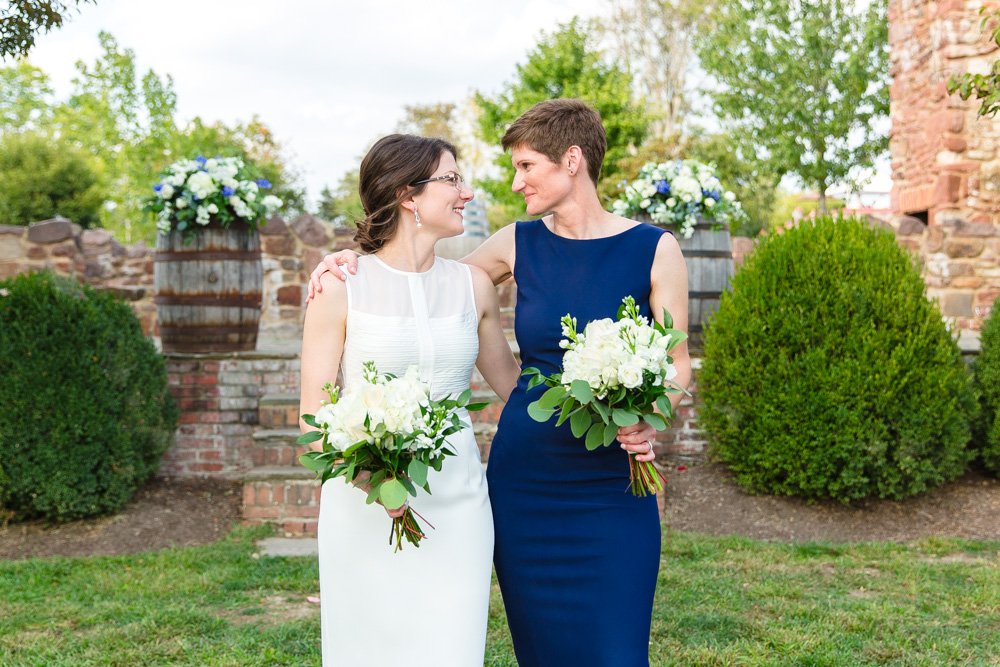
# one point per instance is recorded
(495, 256)
(323, 336)
(496, 361)
(670, 290)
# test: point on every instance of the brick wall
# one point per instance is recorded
(218, 396)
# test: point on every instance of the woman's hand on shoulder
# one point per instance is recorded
(331, 265)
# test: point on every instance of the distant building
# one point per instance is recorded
(476, 224)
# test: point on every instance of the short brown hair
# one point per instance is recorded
(385, 178)
(552, 126)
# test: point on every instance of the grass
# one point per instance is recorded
(720, 601)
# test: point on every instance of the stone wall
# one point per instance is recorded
(93, 256)
(945, 159)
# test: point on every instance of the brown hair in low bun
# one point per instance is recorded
(387, 171)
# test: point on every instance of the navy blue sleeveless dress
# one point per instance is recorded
(576, 553)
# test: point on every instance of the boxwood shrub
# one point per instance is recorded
(86, 414)
(827, 373)
(987, 371)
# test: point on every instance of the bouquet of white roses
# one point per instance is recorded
(192, 193)
(389, 428)
(676, 194)
(614, 373)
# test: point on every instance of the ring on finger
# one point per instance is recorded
(650, 443)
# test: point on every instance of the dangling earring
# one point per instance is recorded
(416, 216)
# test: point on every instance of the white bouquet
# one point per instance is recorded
(388, 428)
(676, 194)
(193, 193)
(614, 373)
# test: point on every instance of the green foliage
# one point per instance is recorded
(564, 64)
(785, 204)
(751, 180)
(128, 124)
(987, 374)
(22, 20)
(86, 412)
(983, 87)
(41, 178)
(25, 96)
(828, 374)
(801, 84)
(342, 206)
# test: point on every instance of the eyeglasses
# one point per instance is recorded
(454, 179)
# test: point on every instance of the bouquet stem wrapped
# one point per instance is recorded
(615, 373)
(385, 435)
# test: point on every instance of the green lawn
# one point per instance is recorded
(720, 601)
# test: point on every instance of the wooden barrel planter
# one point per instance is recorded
(709, 257)
(208, 292)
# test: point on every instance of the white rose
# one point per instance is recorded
(630, 375)
(213, 209)
(671, 202)
(181, 203)
(166, 191)
(709, 202)
(730, 196)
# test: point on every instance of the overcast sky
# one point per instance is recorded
(328, 77)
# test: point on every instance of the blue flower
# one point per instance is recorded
(663, 187)
(227, 191)
(263, 183)
(157, 187)
(201, 160)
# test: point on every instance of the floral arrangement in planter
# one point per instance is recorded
(193, 193)
(677, 194)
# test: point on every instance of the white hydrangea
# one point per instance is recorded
(201, 184)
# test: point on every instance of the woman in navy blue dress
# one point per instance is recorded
(576, 553)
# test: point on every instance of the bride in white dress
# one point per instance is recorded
(427, 605)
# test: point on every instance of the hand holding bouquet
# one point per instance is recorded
(615, 373)
(389, 428)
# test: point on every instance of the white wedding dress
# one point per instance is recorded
(427, 605)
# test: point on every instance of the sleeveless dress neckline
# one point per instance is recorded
(385, 265)
(599, 238)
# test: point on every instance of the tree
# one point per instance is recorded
(128, 124)
(24, 19)
(342, 206)
(983, 87)
(751, 180)
(25, 98)
(42, 177)
(653, 41)
(801, 83)
(564, 64)
(430, 120)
